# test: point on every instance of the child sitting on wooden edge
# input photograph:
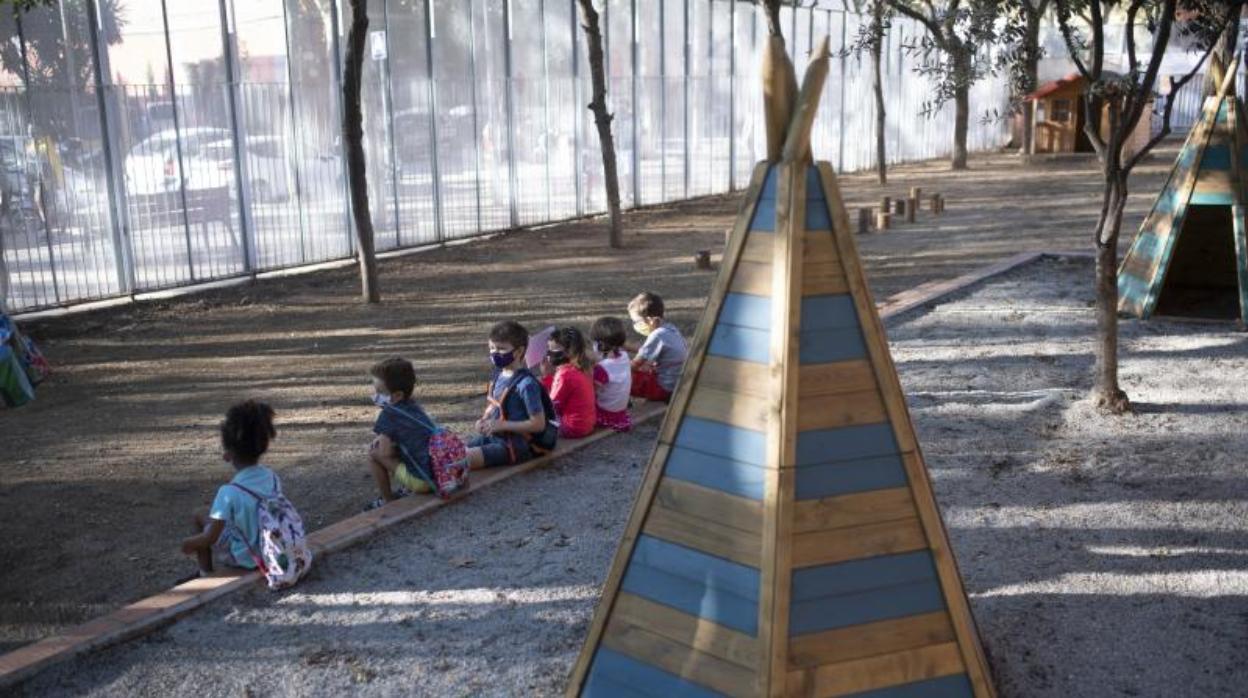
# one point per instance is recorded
(519, 420)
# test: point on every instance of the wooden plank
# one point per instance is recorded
(736, 512)
(921, 488)
(839, 545)
(859, 641)
(844, 410)
(805, 106)
(829, 346)
(723, 440)
(745, 343)
(758, 249)
(868, 673)
(716, 472)
(739, 410)
(849, 477)
(846, 443)
(618, 675)
(837, 378)
(823, 278)
(690, 631)
(819, 248)
(752, 277)
(746, 310)
(675, 658)
(779, 94)
(736, 376)
(703, 535)
(853, 510)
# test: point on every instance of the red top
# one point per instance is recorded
(573, 394)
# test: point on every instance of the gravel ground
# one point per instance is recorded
(1104, 556)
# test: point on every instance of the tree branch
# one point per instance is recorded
(1063, 23)
(935, 29)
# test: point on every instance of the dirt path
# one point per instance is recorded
(1103, 556)
(98, 475)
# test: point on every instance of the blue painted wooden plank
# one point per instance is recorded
(814, 184)
(744, 310)
(817, 217)
(716, 472)
(857, 576)
(696, 566)
(694, 582)
(745, 343)
(611, 669)
(764, 220)
(829, 346)
(1217, 157)
(952, 686)
(849, 477)
(830, 613)
(845, 443)
(719, 439)
(1211, 198)
(771, 184)
(828, 312)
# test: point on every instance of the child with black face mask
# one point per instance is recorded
(567, 379)
(515, 415)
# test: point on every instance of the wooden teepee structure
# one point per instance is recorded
(1191, 254)
(785, 540)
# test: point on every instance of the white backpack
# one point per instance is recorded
(284, 555)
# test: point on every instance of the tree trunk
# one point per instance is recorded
(772, 10)
(1109, 395)
(877, 48)
(1031, 67)
(353, 145)
(602, 118)
(961, 122)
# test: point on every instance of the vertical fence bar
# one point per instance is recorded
(634, 59)
(387, 98)
(663, 100)
(114, 174)
(47, 232)
(476, 122)
(293, 159)
(229, 46)
(840, 147)
(688, 116)
(177, 141)
(435, 173)
(549, 142)
(335, 30)
(576, 114)
(732, 95)
(511, 112)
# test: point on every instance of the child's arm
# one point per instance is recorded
(537, 415)
(204, 540)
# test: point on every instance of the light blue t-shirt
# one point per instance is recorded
(666, 347)
(235, 506)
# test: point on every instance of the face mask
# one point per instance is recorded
(557, 358)
(381, 400)
(642, 328)
(502, 359)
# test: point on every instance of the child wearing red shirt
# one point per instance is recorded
(567, 379)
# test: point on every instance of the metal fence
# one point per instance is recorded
(158, 143)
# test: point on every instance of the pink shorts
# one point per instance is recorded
(617, 421)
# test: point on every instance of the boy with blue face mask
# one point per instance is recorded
(515, 413)
(403, 430)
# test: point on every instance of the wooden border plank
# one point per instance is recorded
(853, 510)
(677, 658)
(696, 633)
(704, 535)
(743, 514)
(861, 675)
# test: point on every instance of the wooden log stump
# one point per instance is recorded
(899, 207)
(912, 208)
(940, 203)
(883, 219)
(864, 220)
(886, 204)
(916, 193)
(702, 260)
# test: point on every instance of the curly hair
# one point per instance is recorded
(246, 431)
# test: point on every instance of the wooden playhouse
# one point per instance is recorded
(1059, 116)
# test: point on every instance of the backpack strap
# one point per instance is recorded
(412, 417)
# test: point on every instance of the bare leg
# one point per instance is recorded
(382, 462)
(476, 459)
(203, 555)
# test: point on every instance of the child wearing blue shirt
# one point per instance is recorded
(230, 534)
(515, 412)
(401, 448)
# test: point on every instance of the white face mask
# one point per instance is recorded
(381, 400)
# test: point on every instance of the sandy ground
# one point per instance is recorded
(97, 477)
(1103, 556)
